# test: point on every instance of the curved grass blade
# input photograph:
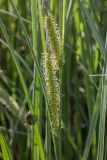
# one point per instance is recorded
(31, 50)
(3, 29)
(94, 30)
(19, 58)
(13, 15)
(96, 111)
(23, 85)
(5, 148)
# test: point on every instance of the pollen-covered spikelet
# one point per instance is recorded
(52, 91)
(53, 38)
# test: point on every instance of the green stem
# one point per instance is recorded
(18, 67)
(36, 79)
(41, 26)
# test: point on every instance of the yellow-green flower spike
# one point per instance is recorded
(52, 91)
(53, 39)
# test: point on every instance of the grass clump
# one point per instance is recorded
(72, 93)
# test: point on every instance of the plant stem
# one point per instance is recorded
(35, 78)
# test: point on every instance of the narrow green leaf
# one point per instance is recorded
(23, 85)
(101, 138)
(19, 58)
(41, 25)
(92, 124)
(94, 30)
(3, 29)
(13, 15)
(31, 50)
(5, 148)
(35, 99)
(100, 151)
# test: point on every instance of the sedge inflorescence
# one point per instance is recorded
(51, 64)
(53, 38)
(53, 92)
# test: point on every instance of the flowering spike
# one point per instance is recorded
(52, 91)
(53, 38)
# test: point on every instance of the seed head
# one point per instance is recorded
(52, 91)
(53, 39)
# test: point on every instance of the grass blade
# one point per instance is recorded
(19, 58)
(94, 30)
(92, 124)
(35, 98)
(12, 15)
(97, 105)
(100, 150)
(24, 86)
(41, 26)
(31, 49)
(5, 148)
(16, 64)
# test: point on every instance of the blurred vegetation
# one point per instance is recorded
(83, 27)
